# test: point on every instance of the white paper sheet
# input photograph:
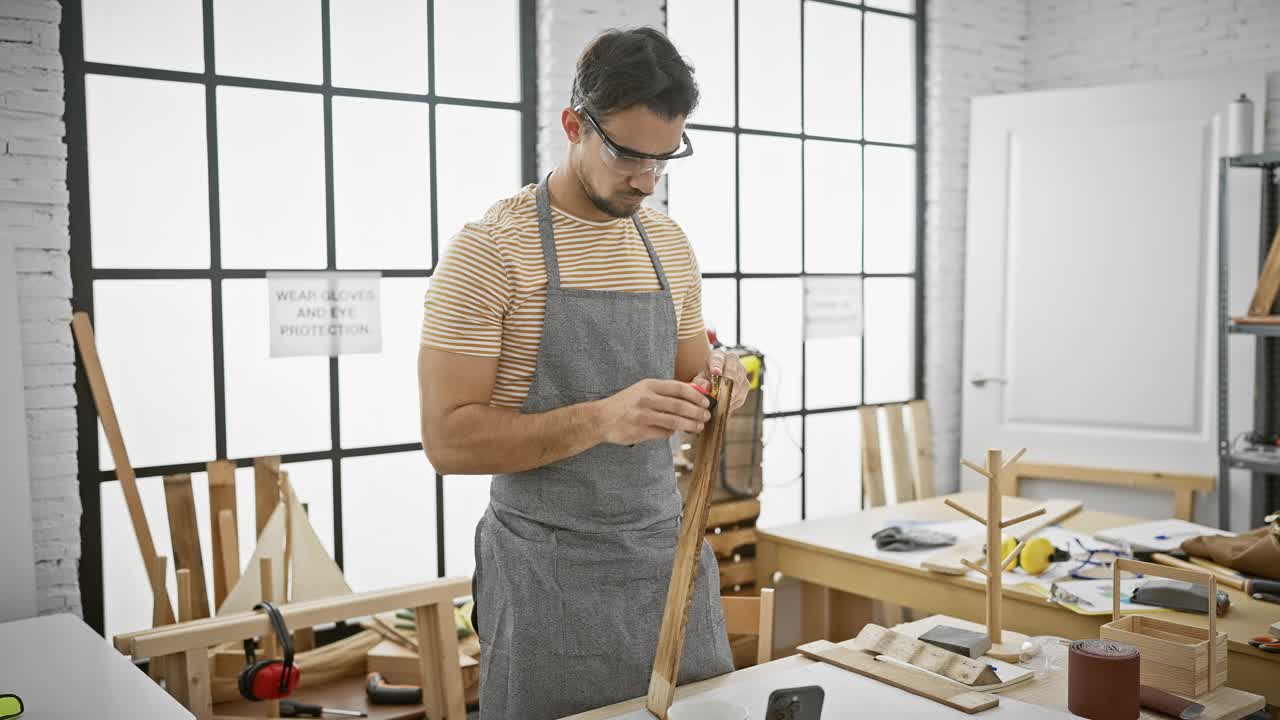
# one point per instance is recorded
(1160, 536)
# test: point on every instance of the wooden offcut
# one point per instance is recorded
(185, 538)
(222, 496)
(881, 641)
(675, 616)
(83, 331)
(921, 438)
(904, 482)
(1264, 296)
(229, 567)
(912, 681)
(872, 465)
(266, 489)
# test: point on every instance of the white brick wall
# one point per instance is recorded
(974, 47)
(33, 215)
(979, 47)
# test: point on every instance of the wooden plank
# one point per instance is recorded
(675, 615)
(730, 513)
(442, 691)
(199, 683)
(922, 439)
(764, 645)
(270, 647)
(1122, 478)
(229, 540)
(882, 641)
(1184, 504)
(184, 535)
(222, 496)
(185, 608)
(156, 665)
(238, 626)
(266, 489)
(903, 478)
(916, 683)
(872, 467)
(724, 543)
(741, 615)
(737, 573)
(1264, 296)
(92, 364)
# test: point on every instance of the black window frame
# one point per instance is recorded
(83, 274)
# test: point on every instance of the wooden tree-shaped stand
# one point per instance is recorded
(1006, 646)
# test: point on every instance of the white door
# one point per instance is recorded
(1091, 281)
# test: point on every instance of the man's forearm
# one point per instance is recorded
(482, 440)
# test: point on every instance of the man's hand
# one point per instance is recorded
(720, 362)
(653, 409)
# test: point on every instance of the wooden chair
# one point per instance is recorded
(911, 453)
(1183, 486)
(752, 616)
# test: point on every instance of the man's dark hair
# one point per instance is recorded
(624, 68)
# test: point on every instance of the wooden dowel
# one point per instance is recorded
(186, 610)
(1016, 456)
(1021, 518)
(1012, 557)
(976, 469)
(965, 511)
(973, 566)
(271, 708)
(230, 569)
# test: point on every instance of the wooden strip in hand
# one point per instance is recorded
(186, 540)
(684, 570)
(904, 483)
(266, 489)
(222, 496)
(917, 683)
(872, 467)
(83, 331)
(1264, 296)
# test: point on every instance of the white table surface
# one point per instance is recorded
(62, 669)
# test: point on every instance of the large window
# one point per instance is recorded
(808, 163)
(213, 141)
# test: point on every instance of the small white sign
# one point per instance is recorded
(324, 313)
(832, 306)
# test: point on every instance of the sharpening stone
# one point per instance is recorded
(962, 642)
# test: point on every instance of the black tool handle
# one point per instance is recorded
(291, 708)
(1267, 587)
(382, 693)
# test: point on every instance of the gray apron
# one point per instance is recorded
(573, 559)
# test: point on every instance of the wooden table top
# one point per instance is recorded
(848, 537)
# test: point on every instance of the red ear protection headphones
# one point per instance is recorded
(269, 679)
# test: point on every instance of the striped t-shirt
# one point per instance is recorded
(488, 294)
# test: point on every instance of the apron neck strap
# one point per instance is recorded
(542, 197)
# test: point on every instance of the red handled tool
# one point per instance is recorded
(704, 391)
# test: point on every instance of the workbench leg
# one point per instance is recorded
(847, 614)
(766, 564)
(815, 612)
(442, 691)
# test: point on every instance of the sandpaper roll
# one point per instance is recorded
(1103, 677)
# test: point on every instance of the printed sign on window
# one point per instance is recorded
(324, 313)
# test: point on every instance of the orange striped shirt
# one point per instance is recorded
(488, 295)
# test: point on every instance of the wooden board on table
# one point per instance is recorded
(186, 542)
(947, 561)
(684, 570)
(905, 679)
(881, 641)
(222, 496)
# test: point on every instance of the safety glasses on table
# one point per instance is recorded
(1095, 564)
(626, 161)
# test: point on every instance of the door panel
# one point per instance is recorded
(1090, 300)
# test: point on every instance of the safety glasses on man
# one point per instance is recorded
(634, 163)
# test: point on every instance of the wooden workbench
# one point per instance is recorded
(831, 553)
(1036, 698)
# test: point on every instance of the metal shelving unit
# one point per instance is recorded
(1261, 461)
